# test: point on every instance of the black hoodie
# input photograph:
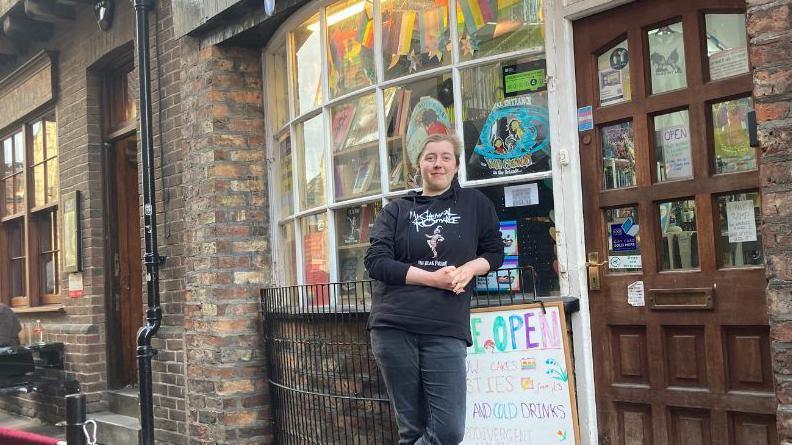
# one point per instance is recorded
(429, 232)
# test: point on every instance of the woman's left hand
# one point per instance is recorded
(461, 277)
(464, 273)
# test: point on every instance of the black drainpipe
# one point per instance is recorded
(151, 258)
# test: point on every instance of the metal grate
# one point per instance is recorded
(324, 382)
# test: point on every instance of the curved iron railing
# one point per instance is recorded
(325, 386)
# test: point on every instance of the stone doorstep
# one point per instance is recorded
(124, 401)
(116, 429)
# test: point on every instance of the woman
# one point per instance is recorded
(420, 316)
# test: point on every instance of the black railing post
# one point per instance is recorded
(151, 258)
(75, 419)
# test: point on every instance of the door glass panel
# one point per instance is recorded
(308, 65)
(8, 157)
(678, 238)
(315, 259)
(415, 36)
(8, 196)
(52, 138)
(488, 27)
(733, 153)
(740, 241)
(624, 250)
(52, 180)
(618, 156)
(19, 193)
(350, 46)
(613, 73)
(667, 58)
(672, 146)
(19, 151)
(311, 163)
(727, 49)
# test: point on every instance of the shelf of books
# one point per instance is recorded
(356, 144)
(353, 225)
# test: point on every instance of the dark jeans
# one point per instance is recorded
(425, 377)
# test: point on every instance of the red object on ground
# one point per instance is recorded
(13, 437)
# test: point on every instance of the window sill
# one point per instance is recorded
(40, 309)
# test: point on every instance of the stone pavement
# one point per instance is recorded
(19, 423)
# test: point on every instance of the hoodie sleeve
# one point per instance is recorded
(490, 245)
(380, 259)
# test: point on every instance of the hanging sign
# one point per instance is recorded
(520, 385)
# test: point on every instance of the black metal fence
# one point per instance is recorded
(325, 386)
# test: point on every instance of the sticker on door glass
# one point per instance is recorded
(613, 72)
(624, 254)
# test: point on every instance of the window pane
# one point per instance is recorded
(672, 146)
(39, 197)
(52, 139)
(740, 240)
(613, 69)
(667, 58)
(624, 249)
(396, 103)
(353, 226)
(38, 142)
(8, 196)
(48, 278)
(726, 45)
(315, 257)
(506, 123)
(356, 146)
(618, 156)
(308, 65)
(45, 232)
(19, 151)
(350, 46)
(487, 27)
(286, 190)
(280, 87)
(8, 157)
(19, 193)
(415, 36)
(311, 161)
(678, 240)
(52, 180)
(17, 278)
(733, 152)
(289, 252)
(528, 231)
(16, 239)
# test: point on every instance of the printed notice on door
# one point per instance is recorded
(741, 221)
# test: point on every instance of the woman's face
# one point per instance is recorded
(438, 166)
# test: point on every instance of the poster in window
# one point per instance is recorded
(71, 232)
(513, 138)
(613, 72)
(428, 117)
(507, 277)
(508, 231)
(674, 144)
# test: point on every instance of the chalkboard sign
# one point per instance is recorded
(520, 386)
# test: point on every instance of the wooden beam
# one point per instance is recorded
(22, 29)
(49, 11)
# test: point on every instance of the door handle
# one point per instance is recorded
(593, 267)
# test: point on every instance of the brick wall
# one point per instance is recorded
(83, 50)
(769, 25)
(227, 258)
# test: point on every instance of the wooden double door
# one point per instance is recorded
(672, 211)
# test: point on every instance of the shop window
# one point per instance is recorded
(528, 228)
(29, 187)
(351, 109)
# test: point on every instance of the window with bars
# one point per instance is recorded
(29, 239)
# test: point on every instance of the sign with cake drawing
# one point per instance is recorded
(520, 388)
